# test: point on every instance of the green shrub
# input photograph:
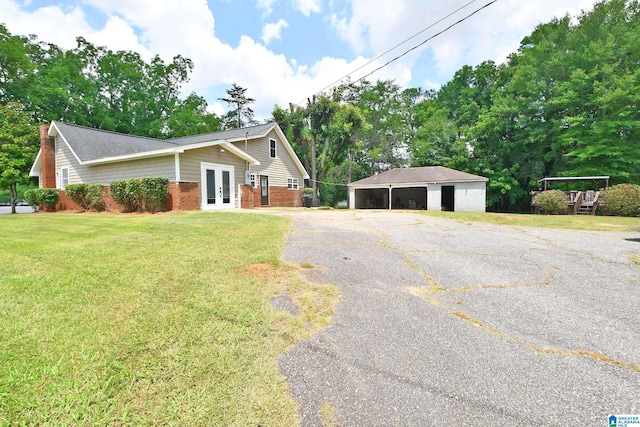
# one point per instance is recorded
(621, 200)
(42, 197)
(123, 193)
(49, 197)
(31, 197)
(140, 194)
(154, 193)
(552, 202)
(88, 196)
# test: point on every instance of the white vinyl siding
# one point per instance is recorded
(279, 169)
(292, 183)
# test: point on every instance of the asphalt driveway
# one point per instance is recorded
(453, 323)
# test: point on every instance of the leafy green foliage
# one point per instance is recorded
(88, 196)
(155, 191)
(552, 202)
(97, 87)
(125, 193)
(5, 195)
(46, 198)
(31, 197)
(325, 135)
(19, 140)
(621, 200)
(140, 194)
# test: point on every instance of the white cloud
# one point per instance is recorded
(60, 27)
(307, 7)
(266, 6)
(371, 27)
(273, 31)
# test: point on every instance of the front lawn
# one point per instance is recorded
(576, 222)
(148, 319)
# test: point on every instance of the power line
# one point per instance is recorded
(406, 40)
(429, 39)
(398, 45)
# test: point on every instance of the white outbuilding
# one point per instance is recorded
(427, 188)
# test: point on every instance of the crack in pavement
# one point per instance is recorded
(593, 355)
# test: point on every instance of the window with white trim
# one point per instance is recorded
(254, 180)
(64, 177)
(272, 148)
(292, 183)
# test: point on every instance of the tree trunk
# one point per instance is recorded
(14, 195)
(314, 172)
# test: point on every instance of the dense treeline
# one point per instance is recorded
(566, 103)
(94, 86)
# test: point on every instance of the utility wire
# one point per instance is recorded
(394, 47)
(406, 40)
(429, 39)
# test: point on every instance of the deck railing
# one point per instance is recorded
(577, 201)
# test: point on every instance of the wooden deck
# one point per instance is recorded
(578, 202)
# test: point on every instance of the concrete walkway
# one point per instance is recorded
(455, 323)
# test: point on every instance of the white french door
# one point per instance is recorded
(217, 186)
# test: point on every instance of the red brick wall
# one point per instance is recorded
(250, 197)
(48, 158)
(66, 203)
(184, 196)
(278, 197)
(283, 197)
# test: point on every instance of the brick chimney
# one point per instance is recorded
(48, 158)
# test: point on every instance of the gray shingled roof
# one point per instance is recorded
(93, 144)
(229, 135)
(427, 174)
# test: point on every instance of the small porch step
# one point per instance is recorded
(585, 210)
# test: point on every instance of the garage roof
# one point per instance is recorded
(413, 176)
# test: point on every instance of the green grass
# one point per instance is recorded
(148, 319)
(576, 222)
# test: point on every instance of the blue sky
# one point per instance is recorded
(283, 51)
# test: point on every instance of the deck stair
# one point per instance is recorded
(585, 202)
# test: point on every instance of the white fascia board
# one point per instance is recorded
(136, 156)
(37, 167)
(222, 143)
(54, 131)
(414, 184)
(296, 160)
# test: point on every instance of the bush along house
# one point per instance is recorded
(240, 168)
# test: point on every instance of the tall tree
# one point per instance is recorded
(241, 113)
(381, 104)
(190, 117)
(323, 133)
(93, 86)
(18, 148)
